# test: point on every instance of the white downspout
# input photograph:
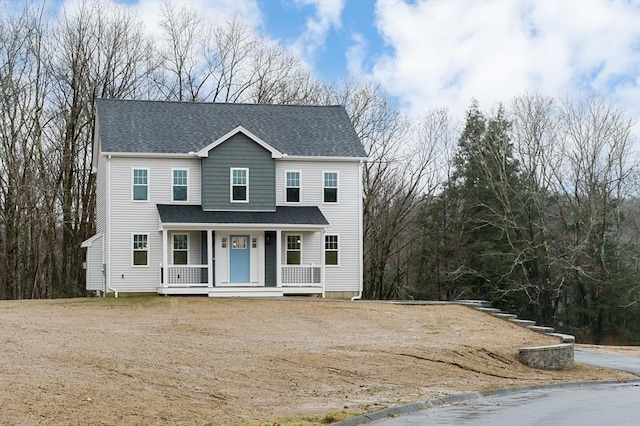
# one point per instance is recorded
(361, 237)
(108, 267)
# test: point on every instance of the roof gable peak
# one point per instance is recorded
(204, 152)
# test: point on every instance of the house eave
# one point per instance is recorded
(150, 154)
(286, 157)
(222, 226)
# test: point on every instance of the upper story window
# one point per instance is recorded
(292, 184)
(180, 185)
(331, 250)
(294, 249)
(140, 185)
(140, 252)
(330, 187)
(239, 185)
(180, 249)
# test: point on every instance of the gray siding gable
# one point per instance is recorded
(241, 152)
(131, 126)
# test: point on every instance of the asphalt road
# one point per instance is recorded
(585, 405)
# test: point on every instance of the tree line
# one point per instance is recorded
(534, 206)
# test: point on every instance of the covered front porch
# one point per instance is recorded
(236, 254)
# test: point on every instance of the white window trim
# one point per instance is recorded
(299, 187)
(173, 184)
(132, 250)
(337, 186)
(286, 248)
(148, 184)
(173, 248)
(231, 169)
(324, 250)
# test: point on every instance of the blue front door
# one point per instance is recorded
(239, 259)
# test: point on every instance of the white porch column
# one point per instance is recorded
(210, 257)
(165, 257)
(278, 258)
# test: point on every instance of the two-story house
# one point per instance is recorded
(226, 200)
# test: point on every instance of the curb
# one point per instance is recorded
(464, 397)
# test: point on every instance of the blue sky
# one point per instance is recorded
(435, 53)
(287, 20)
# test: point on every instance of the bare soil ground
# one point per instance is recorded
(201, 361)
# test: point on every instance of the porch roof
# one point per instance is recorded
(283, 215)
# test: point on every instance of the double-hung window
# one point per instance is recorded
(331, 250)
(180, 249)
(330, 187)
(140, 249)
(294, 249)
(239, 185)
(180, 187)
(140, 184)
(292, 184)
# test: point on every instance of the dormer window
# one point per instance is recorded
(239, 185)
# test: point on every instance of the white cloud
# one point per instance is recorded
(210, 12)
(356, 55)
(445, 53)
(327, 16)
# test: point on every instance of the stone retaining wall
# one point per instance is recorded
(553, 357)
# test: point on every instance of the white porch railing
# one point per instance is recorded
(301, 275)
(185, 275)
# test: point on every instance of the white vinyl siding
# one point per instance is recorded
(343, 217)
(128, 218)
(94, 265)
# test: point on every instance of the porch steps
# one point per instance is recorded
(246, 292)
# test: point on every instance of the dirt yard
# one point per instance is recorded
(198, 361)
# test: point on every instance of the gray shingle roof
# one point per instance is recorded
(183, 127)
(284, 215)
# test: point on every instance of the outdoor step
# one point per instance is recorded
(566, 338)
(480, 303)
(489, 310)
(523, 322)
(505, 316)
(541, 328)
(246, 292)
